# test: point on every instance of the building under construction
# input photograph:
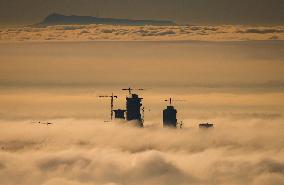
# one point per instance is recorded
(133, 108)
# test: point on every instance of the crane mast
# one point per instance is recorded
(111, 103)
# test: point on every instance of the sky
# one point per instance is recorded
(14, 12)
(62, 79)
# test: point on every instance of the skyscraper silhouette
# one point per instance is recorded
(170, 117)
(133, 105)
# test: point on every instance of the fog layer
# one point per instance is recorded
(142, 33)
(88, 152)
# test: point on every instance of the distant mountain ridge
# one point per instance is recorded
(59, 19)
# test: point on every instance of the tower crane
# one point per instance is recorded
(111, 103)
(171, 100)
(131, 89)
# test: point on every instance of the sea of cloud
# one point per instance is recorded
(144, 33)
(92, 152)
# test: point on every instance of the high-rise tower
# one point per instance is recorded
(133, 108)
(170, 117)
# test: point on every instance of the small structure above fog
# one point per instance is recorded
(119, 114)
(206, 125)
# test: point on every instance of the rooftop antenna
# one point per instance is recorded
(171, 100)
(131, 89)
(111, 103)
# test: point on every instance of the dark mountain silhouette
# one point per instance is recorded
(58, 19)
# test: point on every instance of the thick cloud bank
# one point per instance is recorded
(144, 33)
(89, 152)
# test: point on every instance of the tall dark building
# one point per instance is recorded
(119, 114)
(170, 117)
(133, 105)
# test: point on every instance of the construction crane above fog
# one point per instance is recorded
(170, 100)
(131, 89)
(39, 122)
(133, 106)
(111, 103)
